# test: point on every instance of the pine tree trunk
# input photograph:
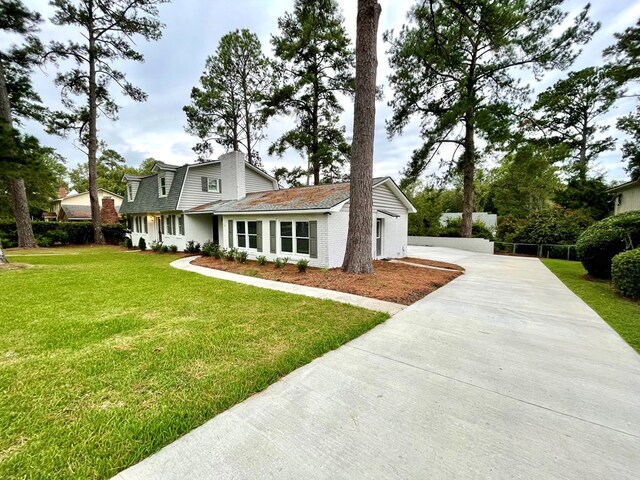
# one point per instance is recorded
(18, 190)
(93, 136)
(468, 170)
(358, 256)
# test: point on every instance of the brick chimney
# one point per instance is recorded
(62, 192)
(108, 213)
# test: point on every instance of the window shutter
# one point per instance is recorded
(272, 236)
(259, 236)
(220, 185)
(205, 184)
(313, 239)
(230, 223)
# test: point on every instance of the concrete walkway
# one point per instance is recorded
(503, 373)
(364, 302)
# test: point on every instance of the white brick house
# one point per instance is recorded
(236, 205)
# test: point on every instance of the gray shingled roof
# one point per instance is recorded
(147, 199)
(74, 212)
(317, 197)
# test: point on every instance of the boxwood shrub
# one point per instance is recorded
(603, 240)
(625, 273)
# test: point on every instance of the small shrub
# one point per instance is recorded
(603, 240)
(281, 262)
(164, 249)
(302, 265)
(222, 253)
(625, 273)
(142, 244)
(241, 256)
(173, 248)
(43, 241)
(209, 249)
(128, 243)
(252, 272)
(192, 247)
(156, 246)
(231, 253)
(261, 259)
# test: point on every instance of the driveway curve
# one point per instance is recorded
(502, 373)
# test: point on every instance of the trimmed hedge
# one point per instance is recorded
(453, 228)
(64, 233)
(603, 240)
(625, 273)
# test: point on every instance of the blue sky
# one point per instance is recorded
(193, 28)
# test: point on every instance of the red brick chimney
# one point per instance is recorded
(62, 192)
(108, 213)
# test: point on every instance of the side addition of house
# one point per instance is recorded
(234, 204)
(626, 197)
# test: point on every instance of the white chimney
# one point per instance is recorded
(233, 176)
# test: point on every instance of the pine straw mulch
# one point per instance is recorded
(392, 282)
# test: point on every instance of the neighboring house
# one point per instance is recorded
(489, 219)
(233, 204)
(626, 197)
(77, 206)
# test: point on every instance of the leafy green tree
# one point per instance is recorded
(43, 171)
(589, 197)
(146, 166)
(455, 67)
(227, 107)
(316, 64)
(18, 99)
(624, 68)
(110, 168)
(107, 30)
(526, 180)
(568, 113)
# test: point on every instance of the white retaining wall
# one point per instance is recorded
(479, 245)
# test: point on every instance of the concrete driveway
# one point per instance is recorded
(503, 373)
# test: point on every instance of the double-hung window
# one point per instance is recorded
(213, 185)
(171, 224)
(163, 186)
(294, 240)
(130, 190)
(247, 234)
(146, 225)
(180, 224)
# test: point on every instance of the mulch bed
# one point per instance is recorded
(392, 282)
(432, 263)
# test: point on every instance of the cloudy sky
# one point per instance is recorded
(193, 28)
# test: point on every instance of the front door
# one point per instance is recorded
(216, 232)
(378, 237)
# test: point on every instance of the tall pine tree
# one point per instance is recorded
(18, 99)
(455, 67)
(108, 30)
(316, 66)
(227, 107)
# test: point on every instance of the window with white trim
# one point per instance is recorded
(213, 185)
(247, 234)
(180, 224)
(130, 189)
(297, 237)
(171, 224)
(146, 225)
(163, 187)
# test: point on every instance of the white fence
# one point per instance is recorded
(479, 245)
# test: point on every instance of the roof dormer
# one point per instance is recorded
(133, 182)
(165, 174)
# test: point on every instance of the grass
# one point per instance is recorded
(622, 314)
(106, 356)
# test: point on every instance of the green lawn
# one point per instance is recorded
(106, 355)
(623, 315)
